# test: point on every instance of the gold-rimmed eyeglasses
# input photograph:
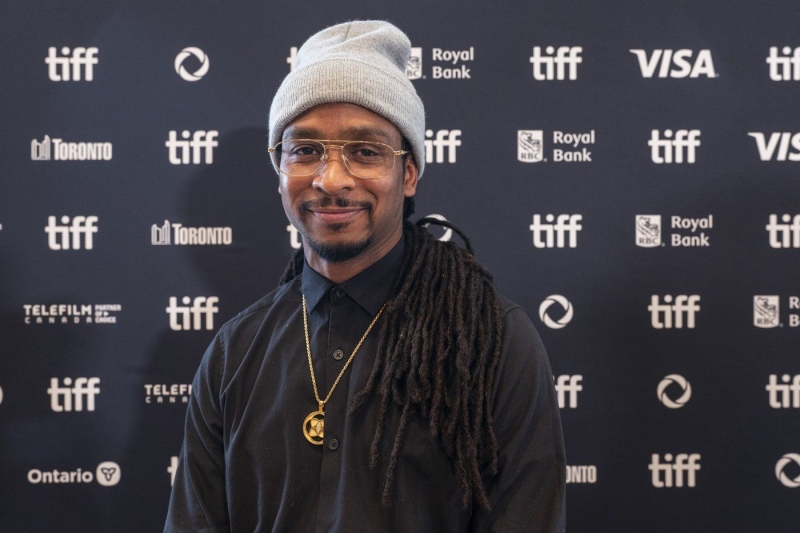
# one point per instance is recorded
(367, 160)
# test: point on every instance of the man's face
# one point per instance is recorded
(338, 215)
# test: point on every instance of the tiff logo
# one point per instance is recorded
(675, 63)
(566, 384)
(73, 396)
(777, 141)
(202, 140)
(672, 150)
(58, 237)
(785, 394)
(555, 233)
(189, 317)
(666, 316)
(445, 139)
(784, 67)
(688, 463)
(786, 235)
(556, 67)
(59, 66)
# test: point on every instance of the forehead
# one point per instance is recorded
(342, 121)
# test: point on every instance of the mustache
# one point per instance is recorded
(328, 201)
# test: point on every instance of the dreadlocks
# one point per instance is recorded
(437, 354)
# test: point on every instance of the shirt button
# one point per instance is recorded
(338, 354)
(333, 444)
(339, 292)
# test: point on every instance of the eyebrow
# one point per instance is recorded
(355, 134)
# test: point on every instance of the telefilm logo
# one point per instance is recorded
(445, 64)
(785, 234)
(200, 58)
(81, 229)
(676, 147)
(440, 142)
(683, 63)
(70, 397)
(792, 461)
(674, 382)
(189, 316)
(567, 147)
(776, 147)
(676, 315)
(568, 385)
(59, 150)
(107, 474)
(198, 150)
(566, 316)
(557, 231)
(180, 235)
(581, 474)
(556, 63)
(161, 393)
(669, 474)
(649, 231)
(71, 313)
(71, 65)
(786, 394)
(784, 65)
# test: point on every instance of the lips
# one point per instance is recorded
(337, 215)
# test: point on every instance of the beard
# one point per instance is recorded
(340, 251)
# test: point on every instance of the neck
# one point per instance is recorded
(341, 271)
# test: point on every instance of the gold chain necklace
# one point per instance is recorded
(314, 424)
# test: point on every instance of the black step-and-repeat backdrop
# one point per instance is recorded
(629, 171)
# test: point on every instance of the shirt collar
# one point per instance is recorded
(369, 288)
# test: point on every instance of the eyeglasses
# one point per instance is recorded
(367, 160)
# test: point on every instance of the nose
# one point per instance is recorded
(333, 176)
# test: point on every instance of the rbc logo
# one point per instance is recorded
(189, 317)
(672, 150)
(199, 55)
(201, 140)
(444, 139)
(675, 63)
(663, 472)
(73, 396)
(530, 148)
(784, 67)
(766, 312)
(681, 382)
(81, 57)
(666, 316)
(648, 231)
(555, 233)
(414, 66)
(79, 227)
(557, 64)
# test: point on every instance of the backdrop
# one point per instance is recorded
(628, 171)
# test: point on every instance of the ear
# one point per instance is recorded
(410, 177)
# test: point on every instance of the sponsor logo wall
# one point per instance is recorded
(647, 222)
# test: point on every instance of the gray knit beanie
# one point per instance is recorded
(361, 62)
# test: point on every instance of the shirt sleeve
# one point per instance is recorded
(528, 492)
(198, 502)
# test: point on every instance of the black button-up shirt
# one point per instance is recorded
(246, 466)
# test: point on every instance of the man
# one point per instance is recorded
(384, 385)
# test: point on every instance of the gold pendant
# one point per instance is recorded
(314, 427)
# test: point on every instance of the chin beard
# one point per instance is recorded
(336, 253)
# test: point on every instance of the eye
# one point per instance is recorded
(303, 149)
(364, 153)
